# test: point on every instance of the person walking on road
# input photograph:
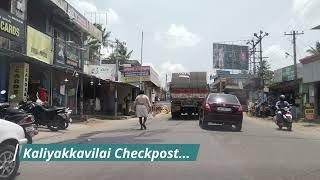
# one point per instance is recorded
(142, 106)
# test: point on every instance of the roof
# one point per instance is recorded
(316, 28)
(310, 59)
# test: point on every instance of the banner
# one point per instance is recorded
(39, 45)
(11, 26)
(109, 152)
(18, 81)
(72, 56)
(59, 51)
(136, 73)
(105, 72)
(77, 17)
(227, 56)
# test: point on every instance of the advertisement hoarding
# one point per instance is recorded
(11, 26)
(226, 56)
(18, 81)
(39, 45)
(59, 51)
(105, 72)
(77, 17)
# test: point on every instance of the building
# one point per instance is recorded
(44, 45)
(311, 79)
(226, 82)
(284, 83)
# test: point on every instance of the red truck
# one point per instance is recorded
(187, 91)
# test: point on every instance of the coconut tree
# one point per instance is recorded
(314, 50)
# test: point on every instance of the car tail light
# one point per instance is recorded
(240, 108)
(207, 108)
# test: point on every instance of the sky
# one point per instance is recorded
(178, 34)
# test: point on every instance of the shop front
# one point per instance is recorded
(12, 45)
(311, 79)
(67, 75)
(39, 49)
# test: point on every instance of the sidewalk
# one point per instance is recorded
(92, 125)
(307, 128)
(77, 118)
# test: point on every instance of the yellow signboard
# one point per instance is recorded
(39, 45)
(18, 81)
(135, 79)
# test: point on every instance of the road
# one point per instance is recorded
(260, 151)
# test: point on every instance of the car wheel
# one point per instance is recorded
(8, 167)
(238, 126)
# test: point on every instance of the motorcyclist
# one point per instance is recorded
(280, 105)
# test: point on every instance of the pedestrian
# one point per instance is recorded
(142, 106)
(127, 101)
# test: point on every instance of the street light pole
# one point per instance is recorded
(141, 60)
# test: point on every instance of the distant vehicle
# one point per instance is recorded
(11, 135)
(224, 109)
(187, 91)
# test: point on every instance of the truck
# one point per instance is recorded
(187, 92)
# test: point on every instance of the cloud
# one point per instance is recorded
(168, 68)
(277, 57)
(178, 36)
(305, 14)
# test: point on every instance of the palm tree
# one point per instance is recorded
(121, 52)
(314, 50)
(95, 45)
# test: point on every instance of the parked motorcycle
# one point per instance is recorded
(55, 118)
(19, 117)
(286, 118)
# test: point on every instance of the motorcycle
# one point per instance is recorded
(286, 118)
(19, 117)
(55, 118)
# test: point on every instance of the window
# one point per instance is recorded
(223, 98)
(5, 5)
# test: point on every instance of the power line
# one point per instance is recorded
(294, 33)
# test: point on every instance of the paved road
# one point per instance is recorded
(260, 151)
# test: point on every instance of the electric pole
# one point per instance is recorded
(141, 55)
(253, 53)
(259, 41)
(294, 35)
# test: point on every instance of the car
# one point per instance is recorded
(12, 137)
(224, 109)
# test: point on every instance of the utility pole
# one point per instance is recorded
(260, 37)
(141, 60)
(294, 35)
(166, 88)
(253, 53)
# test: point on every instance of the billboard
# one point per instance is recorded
(39, 45)
(11, 26)
(226, 56)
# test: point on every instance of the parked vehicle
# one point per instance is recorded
(223, 109)
(20, 117)
(55, 118)
(11, 135)
(187, 92)
(285, 120)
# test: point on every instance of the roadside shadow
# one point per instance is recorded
(126, 136)
(219, 128)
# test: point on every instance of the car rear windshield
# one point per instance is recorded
(223, 98)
